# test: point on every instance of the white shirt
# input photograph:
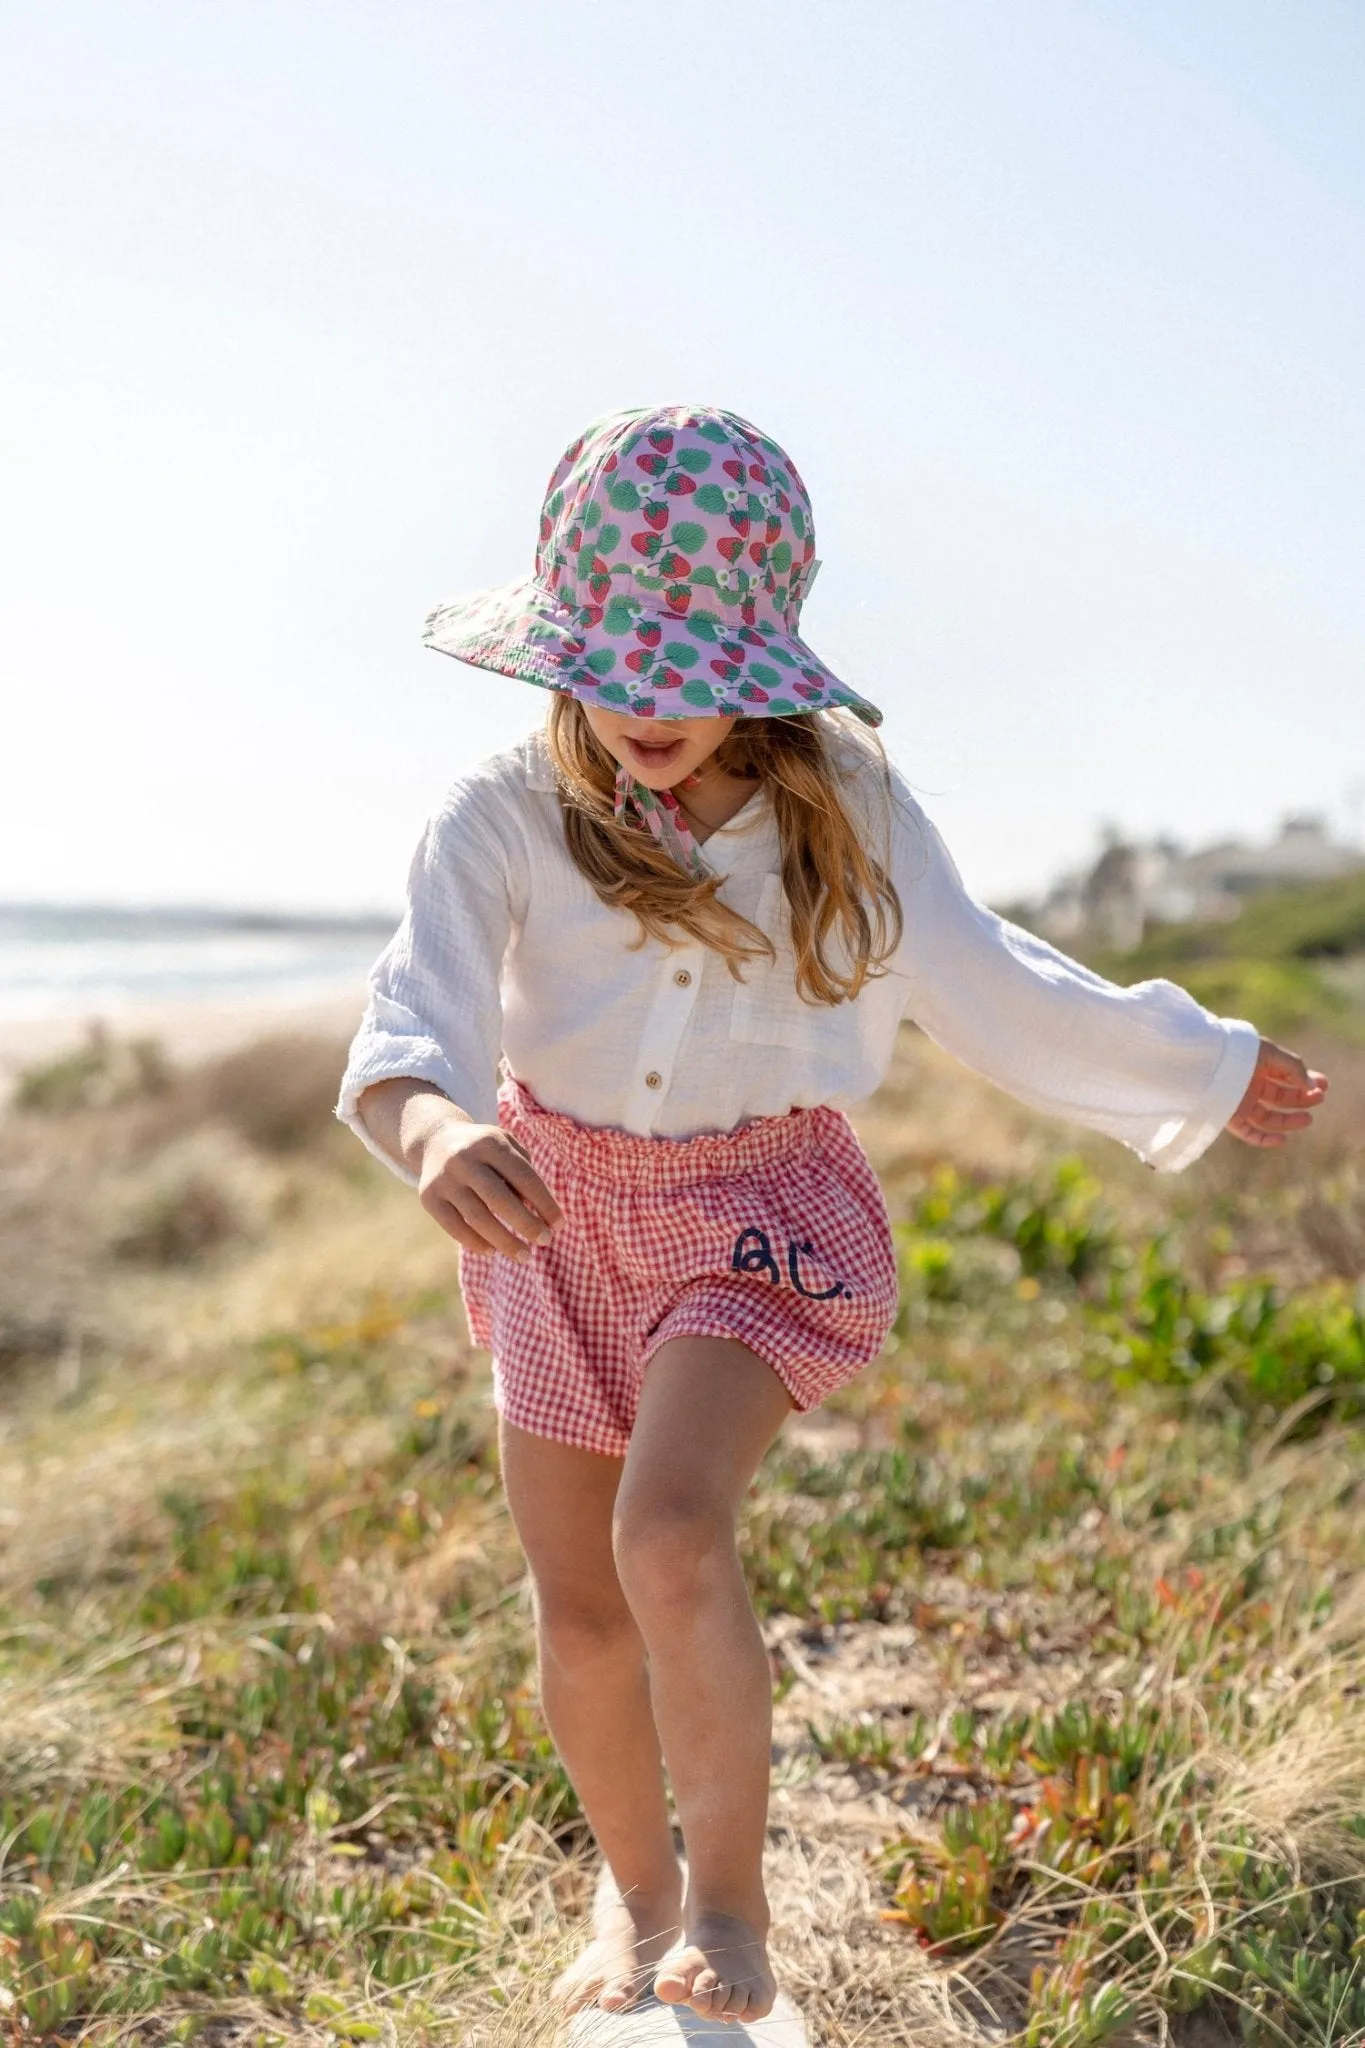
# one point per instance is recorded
(506, 952)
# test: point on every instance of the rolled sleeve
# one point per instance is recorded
(434, 1011)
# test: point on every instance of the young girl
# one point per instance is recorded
(688, 918)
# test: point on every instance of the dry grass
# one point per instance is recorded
(270, 1768)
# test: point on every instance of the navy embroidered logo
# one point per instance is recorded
(811, 1293)
(755, 1257)
(753, 1253)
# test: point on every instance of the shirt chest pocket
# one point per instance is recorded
(767, 1009)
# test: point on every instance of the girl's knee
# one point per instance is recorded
(582, 1627)
(669, 1549)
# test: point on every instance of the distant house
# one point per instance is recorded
(1132, 886)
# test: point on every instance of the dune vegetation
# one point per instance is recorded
(1293, 958)
(1065, 1599)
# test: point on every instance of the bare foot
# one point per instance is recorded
(629, 1938)
(722, 1971)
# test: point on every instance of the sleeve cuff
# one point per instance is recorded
(394, 1063)
(1182, 1140)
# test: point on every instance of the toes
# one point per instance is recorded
(707, 1996)
(676, 1974)
(619, 1992)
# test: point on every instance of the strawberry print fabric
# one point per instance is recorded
(658, 812)
(775, 1235)
(675, 548)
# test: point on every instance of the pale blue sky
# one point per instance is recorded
(1060, 308)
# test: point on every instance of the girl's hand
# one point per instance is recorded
(1281, 1097)
(482, 1189)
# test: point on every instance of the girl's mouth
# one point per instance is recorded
(654, 754)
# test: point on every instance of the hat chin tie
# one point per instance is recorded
(658, 812)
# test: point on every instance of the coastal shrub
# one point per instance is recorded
(277, 1093)
(1267, 962)
(100, 1074)
(1140, 1314)
(178, 1221)
(1286, 997)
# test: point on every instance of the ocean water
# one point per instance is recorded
(74, 961)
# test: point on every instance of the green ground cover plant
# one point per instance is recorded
(1064, 1600)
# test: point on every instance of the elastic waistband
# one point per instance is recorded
(663, 1162)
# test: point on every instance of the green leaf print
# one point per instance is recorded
(781, 654)
(643, 581)
(706, 576)
(556, 505)
(592, 512)
(798, 520)
(607, 539)
(680, 654)
(622, 495)
(619, 616)
(695, 691)
(688, 536)
(702, 626)
(761, 673)
(712, 430)
(781, 557)
(709, 498)
(602, 661)
(695, 461)
(778, 707)
(611, 693)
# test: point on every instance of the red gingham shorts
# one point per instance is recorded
(775, 1235)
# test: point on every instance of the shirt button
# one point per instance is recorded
(654, 1080)
(683, 977)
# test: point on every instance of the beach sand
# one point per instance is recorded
(187, 1032)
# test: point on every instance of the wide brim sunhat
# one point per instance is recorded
(676, 546)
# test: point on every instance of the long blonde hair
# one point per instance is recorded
(845, 914)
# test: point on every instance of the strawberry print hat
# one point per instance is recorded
(676, 545)
(675, 548)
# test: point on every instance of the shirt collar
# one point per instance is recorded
(746, 846)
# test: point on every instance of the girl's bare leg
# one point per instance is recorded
(595, 1691)
(708, 1411)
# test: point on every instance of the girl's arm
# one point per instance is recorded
(1146, 1065)
(476, 1181)
(435, 1008)
(420, 1087)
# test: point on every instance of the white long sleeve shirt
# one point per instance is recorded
(505, 952)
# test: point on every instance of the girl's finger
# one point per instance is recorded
(482, 1220)
(518, 1171)
(1288, 1070)
(1286, 1091)
(491, 1191)
(1262, 1118)
(1249, 1134)
(454, 1225)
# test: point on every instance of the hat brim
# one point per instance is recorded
(627, 656)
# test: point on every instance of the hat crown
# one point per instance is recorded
(681, 510)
